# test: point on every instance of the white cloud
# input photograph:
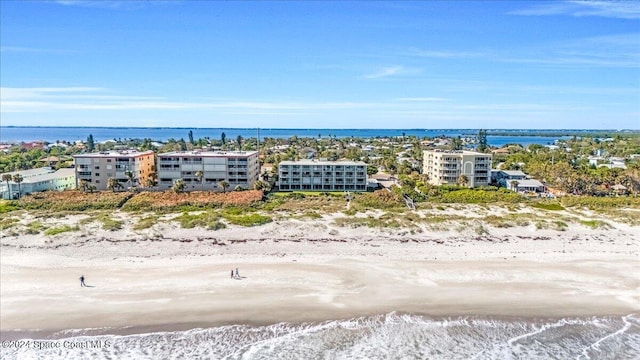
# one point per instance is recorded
(392, 71)
(626, 9)
(94, 98)
(421, 99)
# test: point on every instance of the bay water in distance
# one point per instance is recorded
(14, 134)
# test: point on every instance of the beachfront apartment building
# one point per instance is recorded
(97, 168)
(37, 180)
(315, 175)
(445, 167)
(237, 168)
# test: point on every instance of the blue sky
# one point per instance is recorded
(439, 64)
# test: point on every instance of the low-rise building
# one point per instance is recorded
(204, 170)
(447, 166)
(315, 175)
(504, 177)
(37, 180)
(97, 168)
(526, 185)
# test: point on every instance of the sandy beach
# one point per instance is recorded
(308, 270)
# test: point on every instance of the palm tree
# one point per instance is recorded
(17, 178)
(131, 179)
(224, 185)
(463, 180)
(239, 141)
(199, 176)
(84, 185)
(178, 185)
(7, 178)
(112, 184)
(148, 182)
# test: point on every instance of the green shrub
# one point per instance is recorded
(7, 223)
(109, 223)
(248, 220)
(209, 220)
(552, 206)
(35, 227)
(592, 202)
(595, 224)
(312, 215)
(146, 222)
(478, 196)
(60, 229)
(7, 206)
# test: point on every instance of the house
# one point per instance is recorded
(526, 185)
(504, 177)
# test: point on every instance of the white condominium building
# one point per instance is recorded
(97, 168)
(237, 168)
(446, 166)
(36, 180)
(322, 175)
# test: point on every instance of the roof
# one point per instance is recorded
(619, 187)
(529, 183)
(224, 154)
(456, 152)
(513, 172)
(321, 162)
(118, 153)
(66, 172)
(31, 172)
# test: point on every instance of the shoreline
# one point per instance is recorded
(308, 271)
(287, 291)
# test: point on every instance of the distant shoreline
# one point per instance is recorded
(496, 137)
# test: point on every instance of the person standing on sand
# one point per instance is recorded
(82, 284)
(237, 275)
(232, 273)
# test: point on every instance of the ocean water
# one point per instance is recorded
(53, 134)
(387, 336)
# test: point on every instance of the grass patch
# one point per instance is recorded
(248, 220)
(35, 227)
(7, 206)
(480, 230)
(560, 225)
(311, 215)
(146, 222)
(595, 224)
(60, 229)
(552, 206)
(7, 223)
(109, 223)
(208, 220)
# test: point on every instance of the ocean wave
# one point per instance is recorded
(387, 336)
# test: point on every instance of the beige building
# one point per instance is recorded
(238, 168)
(322, 175)
(97, 168)
(446, 166)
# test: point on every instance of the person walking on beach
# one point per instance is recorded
(82, 284)
(232, 273)
(237, 275)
